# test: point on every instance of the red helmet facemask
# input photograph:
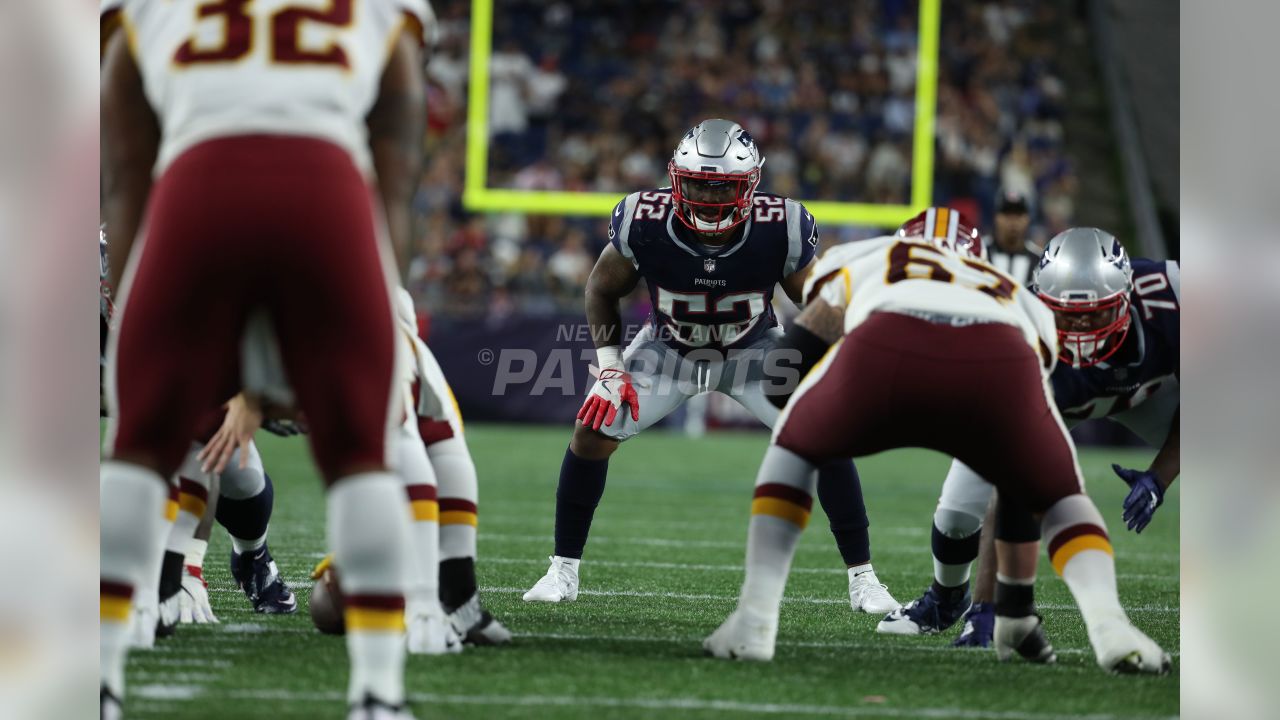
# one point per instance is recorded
(712, 203)
(1090, 331)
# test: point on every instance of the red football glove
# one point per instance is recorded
(613, 388)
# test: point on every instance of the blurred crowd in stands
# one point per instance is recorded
(592, 95)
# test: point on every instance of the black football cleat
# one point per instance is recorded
(256, 574)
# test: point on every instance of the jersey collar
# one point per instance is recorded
(721, 252)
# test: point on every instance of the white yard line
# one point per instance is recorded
(301, 582)
(166, 692)
(880, 646)
(546, 539)
(192, 662)
(696, 567)
(801, 600)
(673, 704)
(310, 558)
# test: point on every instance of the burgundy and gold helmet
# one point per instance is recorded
(945, 228)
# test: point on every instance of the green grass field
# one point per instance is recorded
(660, 573)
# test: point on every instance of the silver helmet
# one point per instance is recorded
(714, 173)
(1085, 277)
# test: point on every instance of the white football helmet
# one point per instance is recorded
(1085, 277)
(714, 173)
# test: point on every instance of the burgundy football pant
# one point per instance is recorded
(281, 224)
(975, 393)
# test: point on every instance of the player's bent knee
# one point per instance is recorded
(591, 445)
(1016, 524)
(956, 524)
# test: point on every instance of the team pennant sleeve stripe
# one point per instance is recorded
(192, 497)
(374, 613)
(421, 492)
(114, 601)
(422, 500)
(781, 509)
(1080, 538)
(456, 511)
(778, 491)
(374, 602)
(362, 620)
(171, 505)
(425, 510)
(1072, 532)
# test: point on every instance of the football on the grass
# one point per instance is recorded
(326, 603)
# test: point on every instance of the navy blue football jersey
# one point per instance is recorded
(1148, 358)
(712, 297)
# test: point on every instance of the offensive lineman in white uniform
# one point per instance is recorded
(272, 147)
(931, 347)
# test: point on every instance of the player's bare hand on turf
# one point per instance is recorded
(1145, 495)
(243, 418)
(612, 390)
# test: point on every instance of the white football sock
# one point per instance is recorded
(459, 497)
(779, 513)
(193, 500)
(423, 551)
(132, 533)
(1081, 552)
(368, 530)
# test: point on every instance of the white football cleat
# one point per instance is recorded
(372, 708)
(867, 594)
(1023, 636)
(427, 632)
(193, 600)
(1123, 649)
(743, 637)
(560, 584)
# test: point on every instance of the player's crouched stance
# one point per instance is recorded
(443, 609)
(711, 249)
(440, 479)
(944, 352)
(1118, 339)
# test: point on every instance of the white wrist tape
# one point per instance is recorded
(609, 357)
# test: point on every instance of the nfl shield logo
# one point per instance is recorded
(709, 265)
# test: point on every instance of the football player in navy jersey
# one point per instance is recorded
(711, 249)
(1118, 342)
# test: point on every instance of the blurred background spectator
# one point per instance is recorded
(589, 95)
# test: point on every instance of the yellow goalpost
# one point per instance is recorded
(479, 197)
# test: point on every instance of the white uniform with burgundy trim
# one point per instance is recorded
(198, 58)
(891, 274)
(434, 399)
